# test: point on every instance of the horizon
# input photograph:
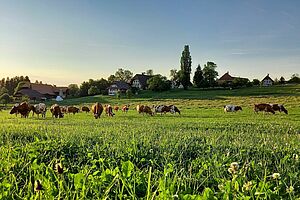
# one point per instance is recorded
(63, 42)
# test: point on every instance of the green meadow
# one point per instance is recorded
(203, 153)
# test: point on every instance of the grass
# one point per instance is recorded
(131, 156)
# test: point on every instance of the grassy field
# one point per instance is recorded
(203, 153)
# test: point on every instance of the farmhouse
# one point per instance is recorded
(118, 86)
(267, 81)
(140, 81)
(227, 79)
(37, 91)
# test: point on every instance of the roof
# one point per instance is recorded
(142, 78)
(29, 92)
(226, 77)
(267, 78)
(119, 85)
(45, 89)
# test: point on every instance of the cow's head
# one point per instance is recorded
(282, 108)
(14, 109)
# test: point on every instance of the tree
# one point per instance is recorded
(93, 90)
(5, 98)
(123, 75)
(186, 67)
(73, 90)
(149, 72)
(111, 79)
(3, 90)
(255, 82)
(19, 86)
(210, 74)
(241, 82)
(159, 83)
(101, 85)
(83, 90)
(281, 80)
(294, 79)
(129, 93)
(198, 79)
(174, 76)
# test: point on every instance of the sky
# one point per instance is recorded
(70, 41)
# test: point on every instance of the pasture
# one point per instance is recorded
(131, 156)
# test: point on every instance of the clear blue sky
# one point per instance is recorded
(64, 41)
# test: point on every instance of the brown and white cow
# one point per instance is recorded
(39, 109)
(72, 109)
(22, 108)
(279, 107)
(263, 107)
(109, 110)
(140, 108)
(63, 109)
(85, 109)
(56, 111)
(147, 110)
(232, 108)
(97, 110)
(116, 108)
(125, 108)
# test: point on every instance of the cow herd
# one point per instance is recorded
(262, 107)
(97, 109)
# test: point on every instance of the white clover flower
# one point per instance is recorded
(276, 176)
(295, 156)
(247, 186)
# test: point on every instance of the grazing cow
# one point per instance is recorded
(263, 107)
(147, 110)
(109, 110)
(39, 109)
(85, 109)
(125, 108)
(97, 110)
(174, 109)
(56, 111)
(63, 109)
(72, 109)
(279, 107)
(232, 108)
(22, 108)
(140, 108)
(116, 108)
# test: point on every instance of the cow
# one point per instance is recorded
(22, 108)
(116, 108)
(174, 109)
(63, 109)
(109, 110)
(140, 108)
(147, 110)
(39, 109)
(279, 107)
(125, 108)
(85, 109)
(97, 110)
(263, 107)
(56, 111)
(232, 108)
(72, 109)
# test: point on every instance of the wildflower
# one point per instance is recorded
(276, 176)
(175, 196)
(38, 186)
(290, 189)
(234, 167)
(247, 186)
(295, 156)
(59, 168)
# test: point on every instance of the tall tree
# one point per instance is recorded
(210, 74)
(149, 72)
(198, 79)
(282, 80)
(73, 90)
(123, 75)
(186, 67)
